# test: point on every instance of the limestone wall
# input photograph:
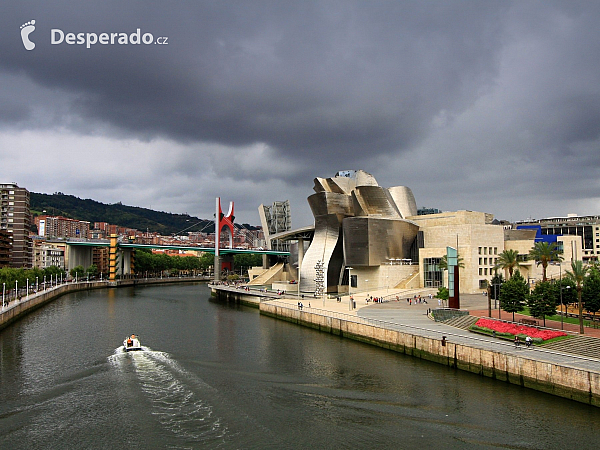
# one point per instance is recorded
(563, 381)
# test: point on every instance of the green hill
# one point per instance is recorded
(118, 214)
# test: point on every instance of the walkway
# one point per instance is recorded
(412, 318)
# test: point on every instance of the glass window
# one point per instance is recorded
(432, 275)
(480, 271)
(485, 271)
(480, 261)
(480, 250)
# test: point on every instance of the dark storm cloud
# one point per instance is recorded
(474, 104)
(307, 78)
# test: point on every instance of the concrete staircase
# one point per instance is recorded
(444, 314)
(462, 322)
(267, 276)
(410, 282)
(577, 345)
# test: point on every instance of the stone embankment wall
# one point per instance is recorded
(35, 301)
(563, 381)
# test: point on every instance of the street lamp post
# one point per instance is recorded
(350, 305)
(561, 306)
(561, 294)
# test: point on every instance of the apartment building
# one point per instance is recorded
(62, 227)
(15, 220)
(5, 247)
(587, 227)
(47, 255)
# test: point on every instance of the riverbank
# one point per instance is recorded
(16, 309)
(405, 328)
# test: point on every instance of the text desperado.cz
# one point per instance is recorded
(58, 36)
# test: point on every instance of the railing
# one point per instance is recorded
(478, 342)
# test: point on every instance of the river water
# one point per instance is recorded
(222, 376)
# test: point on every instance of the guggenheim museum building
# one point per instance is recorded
(366, 237)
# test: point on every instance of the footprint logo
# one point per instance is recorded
(26, 29)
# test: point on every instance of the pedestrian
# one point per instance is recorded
(439, 302)
(528, 341)
(517, 342)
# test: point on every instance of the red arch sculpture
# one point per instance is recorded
(222, 221)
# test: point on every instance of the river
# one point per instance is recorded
(216, 375)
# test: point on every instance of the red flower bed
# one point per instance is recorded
(511, 328)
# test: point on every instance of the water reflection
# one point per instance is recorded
(222, 376)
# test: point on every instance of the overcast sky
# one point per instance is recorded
(483, 105)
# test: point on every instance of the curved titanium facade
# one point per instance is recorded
(357, 222)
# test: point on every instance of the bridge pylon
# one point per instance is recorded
(112, 258)
(222, 221)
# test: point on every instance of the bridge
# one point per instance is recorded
(80, 253)
(120, 253)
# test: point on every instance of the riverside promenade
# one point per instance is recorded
(407, 328)
(13, 309)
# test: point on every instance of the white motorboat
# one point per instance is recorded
(132, 343)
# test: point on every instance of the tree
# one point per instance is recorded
(542, 300)
(495, 285)
(77, 272)
(92, 271)
(577, 275)
(246, 260)
(544, 253)
(143, 261)
(508, 260)
(207, 260)
(444, 262)
(443, 293)
(513, 294)
(566, 292)
(52, 270)
(590, 295)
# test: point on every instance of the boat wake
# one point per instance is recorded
(174, 395)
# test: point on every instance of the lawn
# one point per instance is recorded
(556, 317)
